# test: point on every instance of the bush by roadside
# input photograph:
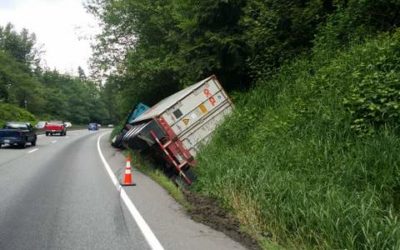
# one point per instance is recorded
(10, 112)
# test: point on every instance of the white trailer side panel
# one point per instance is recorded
(199, 135)
(196, 116)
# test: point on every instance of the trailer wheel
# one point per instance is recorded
(190, 174)
(180, 180)
(117, 140)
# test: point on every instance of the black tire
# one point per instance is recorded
(33, 143)
(22, 145)
(181, 182)
(190, 174)
(117, 141)
(47, 133)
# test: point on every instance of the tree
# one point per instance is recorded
(17, 86)
(81, 74)
(21, 46)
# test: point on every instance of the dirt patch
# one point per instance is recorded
(209, 212)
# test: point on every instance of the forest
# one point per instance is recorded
(29, 92)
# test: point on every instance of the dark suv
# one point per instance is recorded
(17, 133)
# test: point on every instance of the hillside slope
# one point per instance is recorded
(311, 158)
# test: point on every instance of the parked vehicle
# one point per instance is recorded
(179, 125)
(68, 124)
(93, 126)
(40, 124)
(17, 133)
(55, 127)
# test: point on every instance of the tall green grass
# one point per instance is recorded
(292, 164)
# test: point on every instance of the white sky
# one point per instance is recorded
(62, 26)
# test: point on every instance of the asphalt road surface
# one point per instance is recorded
(60, 195)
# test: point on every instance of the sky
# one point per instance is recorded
(63, 27)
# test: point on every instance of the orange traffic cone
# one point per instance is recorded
(128, 175)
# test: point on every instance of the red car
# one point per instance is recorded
(55, 127)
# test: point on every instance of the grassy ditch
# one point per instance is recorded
(200, 208)
(311, 158)
(150, 168)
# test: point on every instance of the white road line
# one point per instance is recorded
(33, 150)
(146, 231)
(53, 141)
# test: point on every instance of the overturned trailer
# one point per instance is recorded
(178, 125)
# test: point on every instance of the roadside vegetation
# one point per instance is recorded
(149, 167)
(10, 112)
(46, 93)
(312, 157)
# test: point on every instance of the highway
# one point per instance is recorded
(59, 195)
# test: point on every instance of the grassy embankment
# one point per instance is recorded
(10, 112)
(311, 158)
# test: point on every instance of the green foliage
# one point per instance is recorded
(45, 93)
(10, 112)
(375, 88)
(356, 20)
(18, 86)
(278, 30)
(74, 98)
(21, 46)
(290, 147)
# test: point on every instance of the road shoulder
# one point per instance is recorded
(168, 219)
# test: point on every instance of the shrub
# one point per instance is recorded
(10, 112)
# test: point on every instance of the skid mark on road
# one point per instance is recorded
(144, 228)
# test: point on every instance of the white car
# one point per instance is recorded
(68, 124)
(40, 124)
